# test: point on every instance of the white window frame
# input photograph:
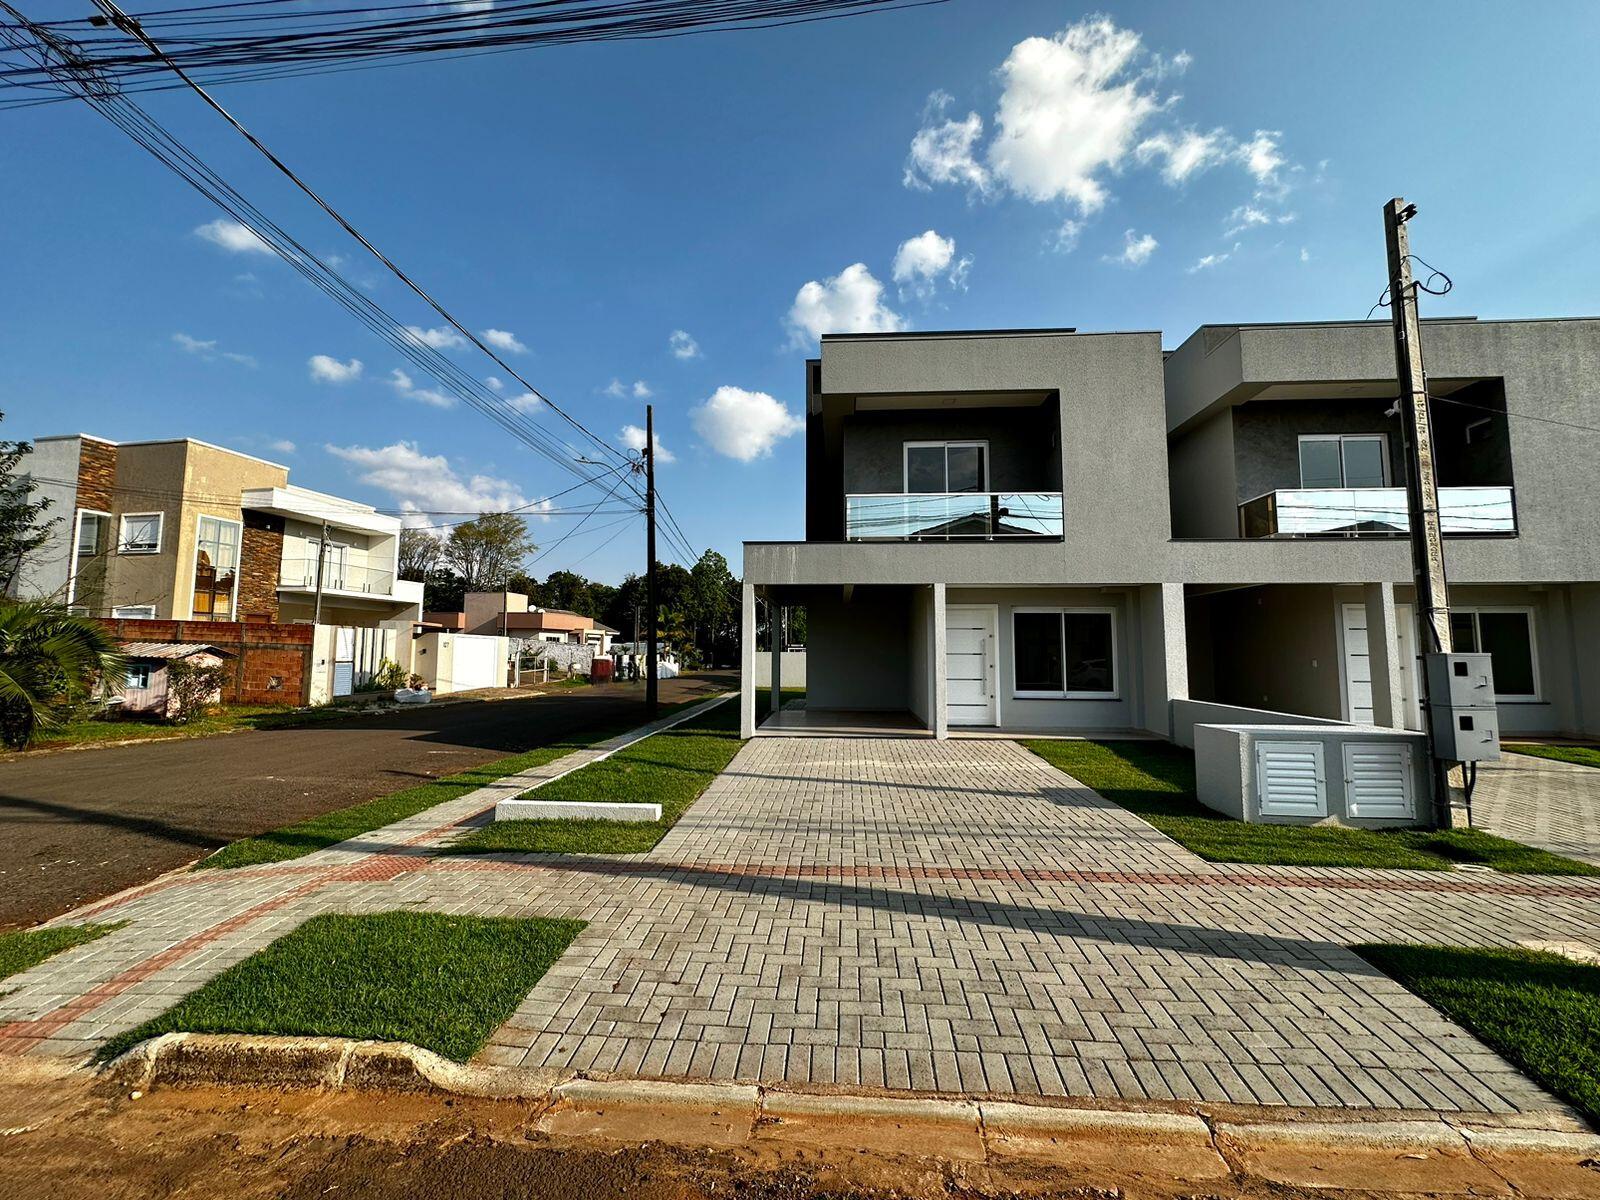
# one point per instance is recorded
(133, 612)
(1065, 611)
(238, 567)
(1342, 438)
(127, 681)
(1533, 644)
(905, 465)
(122, 533)
(77, 537)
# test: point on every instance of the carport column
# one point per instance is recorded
(747, 664)
(775, 631)
(1383, 656)
(936, 668)
(1165, 647)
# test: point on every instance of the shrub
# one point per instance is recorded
(192, 689)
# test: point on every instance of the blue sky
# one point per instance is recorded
(1157, 166)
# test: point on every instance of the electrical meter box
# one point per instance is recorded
(1465, 721)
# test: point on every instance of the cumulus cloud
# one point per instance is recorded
(944, 150)
(1263, 158)
(442, 338)
(1184, 153)
(526, 403)
(209, 351)
(638, 389)
(406, 386)
(421, 482)
(849, 302)
(282, 446)
(502, 339)
(327, 369)
(683, 346)
(744, 425)
(1136, 249)
(922, 260)
(632, 436)
(232, 237)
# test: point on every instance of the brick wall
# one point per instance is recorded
(97, 474)
(260, 554)
(270, 664)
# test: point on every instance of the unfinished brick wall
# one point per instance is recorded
(270, 663)
(260, 554)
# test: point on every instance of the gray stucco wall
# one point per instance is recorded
(45, 572)
(1266, 440)
(1203, 481)
(858, 652)
(1275, 648)
(1022, 446)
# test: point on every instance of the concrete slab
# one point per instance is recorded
(574, 810)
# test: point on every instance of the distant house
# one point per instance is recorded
(145, 687)
(510, 614)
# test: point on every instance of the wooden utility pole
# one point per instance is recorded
(1422, 484)
(651, 698)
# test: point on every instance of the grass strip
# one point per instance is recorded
(671, 769)
(24, 948)
(1583, 756)
(437, 980)
(1540, 1011)
(225, 719)
(1155, 780)
(331, 828)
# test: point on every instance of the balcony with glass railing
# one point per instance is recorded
(952, 516)
(300, 574)
(1373, 512)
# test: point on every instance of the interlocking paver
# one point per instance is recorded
(892, 912)
(1541, 801)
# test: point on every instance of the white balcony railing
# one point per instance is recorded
(1372, 512)
(301, 574)
(952, 516)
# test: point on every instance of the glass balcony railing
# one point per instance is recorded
(952, 516)
(301, 574)
(1372, 512)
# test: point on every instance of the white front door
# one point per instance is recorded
(1358, 665)
(970, 665)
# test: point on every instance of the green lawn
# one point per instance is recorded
(318, 833)
(440, 981)
(24, 948)
(1584, 756)
(1540, 1011)
(1156, 781)
(670, 769)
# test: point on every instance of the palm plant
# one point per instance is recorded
(49, 659)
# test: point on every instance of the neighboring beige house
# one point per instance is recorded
(509, 614)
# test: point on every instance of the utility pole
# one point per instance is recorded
(1422, 484)
(651, 699)
(635, 654)
(322, 552)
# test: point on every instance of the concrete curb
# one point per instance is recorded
(612, 1107)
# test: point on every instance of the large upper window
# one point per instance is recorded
(92, 544)
(947, 467)
(1065, 653)
(1349, 460)
(1506, 635)
(216, 568)
(141, 533)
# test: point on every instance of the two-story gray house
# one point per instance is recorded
(1048, 530)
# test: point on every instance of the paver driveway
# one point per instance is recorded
(1541, 801)
(952, 916)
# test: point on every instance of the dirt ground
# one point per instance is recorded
(66, 1137)
(81, 824)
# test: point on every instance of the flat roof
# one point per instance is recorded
(90, 437)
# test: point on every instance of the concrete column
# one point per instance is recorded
(747, 663)
(936, 668)
(1383, 656)
(1583, 619)
(775, 620)
(1164, 646)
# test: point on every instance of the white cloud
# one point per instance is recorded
(1246, 216)
(503, 339)
(1305, 255)
(1213, 260)
(496, 384)
(944, 150)
(208, 351)
(1136, 249)
(744, 425)
(282, 446)
(1185, 152)
(526, 403)
(327, 369)
(232, 237)
(638, 389)
(1262, 157)
(442, 338)
(403, 383)
(1071, 109)
(633, 438)
(920, 261)
(1066, 239)
(849, 302)
(427, 482)
(683, 346)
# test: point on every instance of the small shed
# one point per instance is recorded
(144, 689)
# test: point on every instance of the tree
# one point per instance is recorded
(21, 530)
(49, 659)
(484, 552)
(710, 607)
(420, 551)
